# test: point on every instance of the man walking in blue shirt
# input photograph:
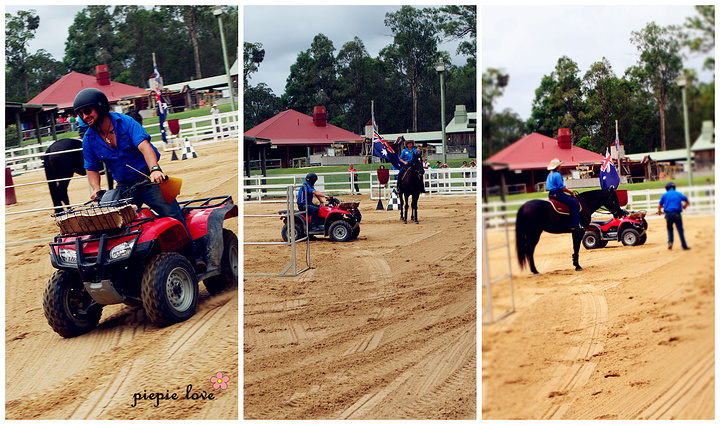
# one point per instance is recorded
(556, 186)
(673, 202)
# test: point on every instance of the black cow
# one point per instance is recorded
(63, 166)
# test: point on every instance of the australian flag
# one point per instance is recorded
(382, 149)
(608, 174)
(161, 105)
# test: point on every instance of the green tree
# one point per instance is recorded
(354, 66)
(253, 55)
(415, 41)
(313, 79)
(19, 30)
(701, 35)
(260, 104)
(458, 23)
(559, 102)
(659, 64)
(494, 82)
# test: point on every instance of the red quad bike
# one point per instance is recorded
(108, 252)
(631, 230)
(340, 221)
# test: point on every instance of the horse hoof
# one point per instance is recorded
(404, 221)
(535, 272)
(578, 268)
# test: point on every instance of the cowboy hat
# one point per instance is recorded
(554, 164)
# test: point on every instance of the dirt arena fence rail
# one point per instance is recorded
(492, 312)
(702, 202)
(445, 181)
(31, 161)
(197, 130)
(291, 270)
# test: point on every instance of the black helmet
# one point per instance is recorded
(92, 97)
(312, 178)
(669, 185)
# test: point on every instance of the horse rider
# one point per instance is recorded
(407, 156)
(556, 186)
(305, 200)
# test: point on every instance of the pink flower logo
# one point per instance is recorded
(219, 381)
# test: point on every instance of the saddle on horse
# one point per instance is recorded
(561, 207)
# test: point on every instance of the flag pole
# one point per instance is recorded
(617, 149)
(372, 114)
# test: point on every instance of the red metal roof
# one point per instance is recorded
(294, 128)
(535, 151)
(62, 92)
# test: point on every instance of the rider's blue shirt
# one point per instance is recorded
(128, 135)
(554, 181)
(407, 154)
(305, 195)
(672, 200)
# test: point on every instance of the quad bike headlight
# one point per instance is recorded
(122, 250)
(68, 255)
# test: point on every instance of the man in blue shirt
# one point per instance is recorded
(119, 141)
(673, 202)
(305, 199)
(556, 186)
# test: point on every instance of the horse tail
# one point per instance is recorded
(521, 237)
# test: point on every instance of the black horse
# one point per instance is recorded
(539, 215)
(411, 185)
(62, 166)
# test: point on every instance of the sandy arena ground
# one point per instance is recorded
(95, 376)
(632, 336)
(381, 327)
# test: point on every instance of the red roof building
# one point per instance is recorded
(535, 151)
(528, 158)
(299, 135)
(62, 92)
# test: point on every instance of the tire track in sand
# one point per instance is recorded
(578, 363)
(672, 400)
(440, 367)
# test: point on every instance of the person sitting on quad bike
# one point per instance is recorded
(305, 199)
(407, 158)
(121, 143)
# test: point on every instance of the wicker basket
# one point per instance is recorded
(349, 205)
(637, 215)
(95, 219)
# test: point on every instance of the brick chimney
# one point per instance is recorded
(319, 116)
(102, 75)
(564, 140)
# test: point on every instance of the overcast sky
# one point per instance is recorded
(527, 42)
(53, 30)
(285, 31)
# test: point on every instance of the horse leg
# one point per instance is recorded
(532, 239)
(415, 207)
(577, 239)
(406, 206)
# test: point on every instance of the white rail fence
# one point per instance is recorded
(702, 202)
(445, 181)
(198, 129)
(31, 160)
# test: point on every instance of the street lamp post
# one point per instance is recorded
(217, 11)
(440, 68)
(682, 83)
